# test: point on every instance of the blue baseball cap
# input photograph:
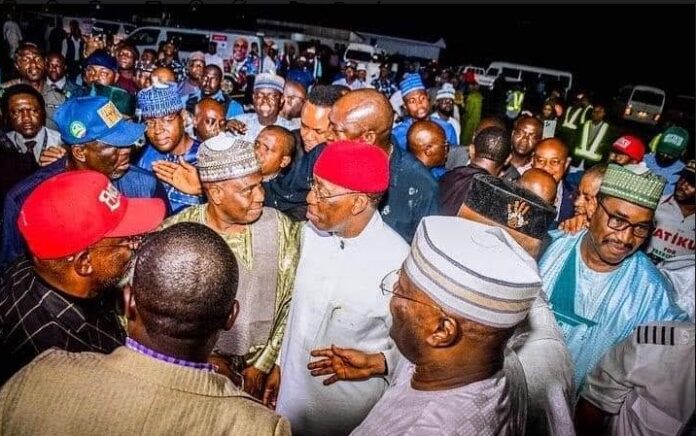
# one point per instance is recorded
(102, 59)
(87, 119)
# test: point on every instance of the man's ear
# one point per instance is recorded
(285, 161)
(360, 204)
(369, 137)
(215, 194)
(446, 334)
(232, 316)
(82, 263)
(79, 153)
(472, 152)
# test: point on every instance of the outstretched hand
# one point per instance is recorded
(346, 364)
(182, 175)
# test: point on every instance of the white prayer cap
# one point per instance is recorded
(476, 271)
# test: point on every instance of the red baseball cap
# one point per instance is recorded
(354, 165)
(75, 209)
(630, 146)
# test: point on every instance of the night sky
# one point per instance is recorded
(604, 46)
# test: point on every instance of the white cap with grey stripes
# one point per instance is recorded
(476, 271)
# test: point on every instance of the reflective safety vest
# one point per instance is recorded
(585, 113)
(571, 117)
(514, 101)
(587, 149)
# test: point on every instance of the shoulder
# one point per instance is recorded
(249, 416)
(189, 214)
(54, 363)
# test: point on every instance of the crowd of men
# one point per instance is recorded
(347, 258)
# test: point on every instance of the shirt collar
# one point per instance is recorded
(59, 84)
(20, 140)
(142, 349)
(366, 235)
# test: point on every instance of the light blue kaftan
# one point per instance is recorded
(598, 310)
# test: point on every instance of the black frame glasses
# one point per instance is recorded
(617, 223)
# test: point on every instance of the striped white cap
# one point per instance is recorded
(476, 271)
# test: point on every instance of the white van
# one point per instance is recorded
(230, 46)
(364, 54)
(516, 73)
(643, 104)
(118, 29)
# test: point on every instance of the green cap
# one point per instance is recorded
(633, 183)
(124, 102)
(673, 142)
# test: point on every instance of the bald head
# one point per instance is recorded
(163, 75)
(551, 155)
(539, 182)
(428, 143)
(209, 118)
(364, 114)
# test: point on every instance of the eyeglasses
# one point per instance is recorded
(617, 223)
(390, 283)
(315, 188)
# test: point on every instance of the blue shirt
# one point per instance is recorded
(606, 307)
(400, 132)
(134, 183)
(176, 199)
(303, 76)
(671, 173)
(413, 194)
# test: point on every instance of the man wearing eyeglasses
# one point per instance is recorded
(267, 100)
(346, 251)
(80, 232)
(599, 287)
(98, 138)
(453, 312)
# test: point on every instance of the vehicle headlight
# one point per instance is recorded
(628, 110)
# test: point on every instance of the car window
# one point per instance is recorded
(647, 97)
(189, 41)
(144, 37)
(510, 73)
(357, 55)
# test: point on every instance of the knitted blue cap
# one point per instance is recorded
(159, 100)
(410, 83)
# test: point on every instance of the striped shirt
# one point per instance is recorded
(35, 317)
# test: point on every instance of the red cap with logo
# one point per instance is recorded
(75, 209)
(630, 146)
(354, 165)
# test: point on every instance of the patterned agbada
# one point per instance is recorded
(261, 355)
